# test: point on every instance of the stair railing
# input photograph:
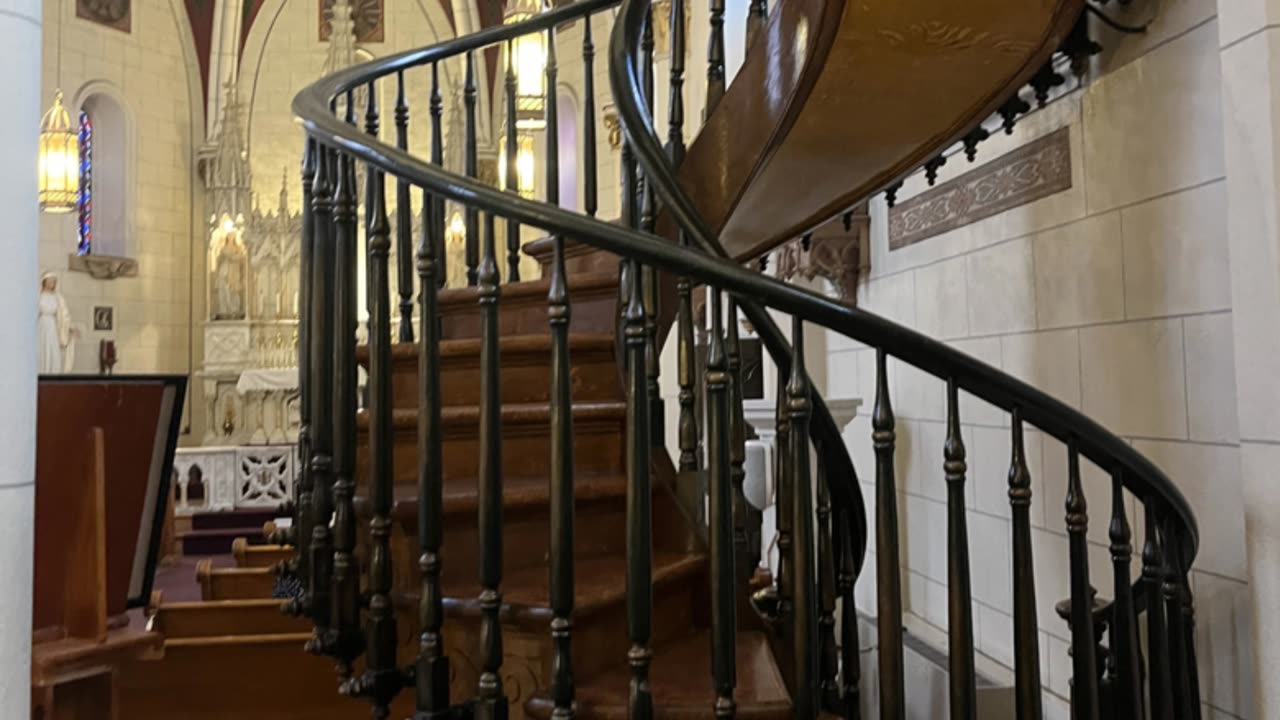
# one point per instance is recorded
(1172, 535)
(820, 561)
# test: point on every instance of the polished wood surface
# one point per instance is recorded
(525, 372)
(682, 684)
(76, 646)
(217, 583)
(851, 96)
(259, 556)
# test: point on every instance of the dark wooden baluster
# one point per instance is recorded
(1084, 666)
(348, 640)
(404, 221)
(1126, 675)
(1192, 679)
(805, 606)
(301, 532)
(783, 495)
(383, 678)
(1026, 642)
(888, 574)
(828, 657)
(757, 11)
(675, 111)
(724, 619)
(562, 486)
(371, 127)
(435, 218)
(649, 275)
(746, 519)
(686, 351)
(322, 350)
(964, 691)
(639, 512)
(1159, 678)
(850, 660)
(492, 703)
(690, 451)
(715, 58)
(1171, 596)
(590, 188)
(432, 671)
(471, 167)
(512, 175)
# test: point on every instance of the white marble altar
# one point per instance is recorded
(227, 478)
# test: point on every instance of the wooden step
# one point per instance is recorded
(523, 307)
(525, 370)
(220, 618)
(233, 583)
(259, 556)
(578, 257)
(680, 676)
(597, 431)
(232, 519)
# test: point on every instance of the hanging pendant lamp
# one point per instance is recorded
(59, 160)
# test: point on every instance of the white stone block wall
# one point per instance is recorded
(1114, 296)
(152, 72)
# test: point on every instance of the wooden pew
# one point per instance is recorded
(95, 552)
(234, 583)
(259, 556)
(220, 618)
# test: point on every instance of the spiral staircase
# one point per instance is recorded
(500, 530)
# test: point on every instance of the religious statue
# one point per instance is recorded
(228, 271)
(56, 353)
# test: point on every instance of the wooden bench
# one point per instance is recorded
(259, 556)
(234, 583)
(218, 618)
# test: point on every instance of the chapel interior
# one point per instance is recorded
(453, 359)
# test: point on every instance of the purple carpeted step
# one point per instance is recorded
(218, 541)
(248, 518)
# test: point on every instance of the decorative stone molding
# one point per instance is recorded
(103, 267)
(833, 253)
(1036, 170)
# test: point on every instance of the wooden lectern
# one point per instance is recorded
(104, 456)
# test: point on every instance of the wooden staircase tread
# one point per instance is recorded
(533, 343)
(535, 413)
(526, 289)
(680, 676)
(600, 583)
(517, 493)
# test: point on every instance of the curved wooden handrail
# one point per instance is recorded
(838, 99)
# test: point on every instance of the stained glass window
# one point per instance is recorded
(85, 203)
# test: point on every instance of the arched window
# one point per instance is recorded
(84, 226)
(104, 222)
(567, 112)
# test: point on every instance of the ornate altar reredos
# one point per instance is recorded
(249, 376)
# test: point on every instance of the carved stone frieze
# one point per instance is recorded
(103, 267)
(1037, 170)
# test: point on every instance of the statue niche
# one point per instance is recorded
(229, 263)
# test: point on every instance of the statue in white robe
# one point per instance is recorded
(56, 353)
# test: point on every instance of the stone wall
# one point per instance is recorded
(151, 74)
(1115, 296)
